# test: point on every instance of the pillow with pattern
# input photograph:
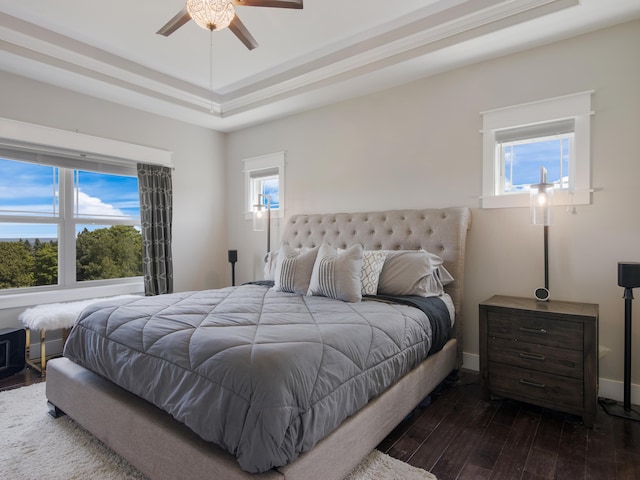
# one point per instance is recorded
(337, 274)
(293, 269)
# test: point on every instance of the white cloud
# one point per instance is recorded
(92, 206)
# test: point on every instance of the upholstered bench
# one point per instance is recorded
(53, 316)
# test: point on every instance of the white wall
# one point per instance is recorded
(419, 145)
(199, 230)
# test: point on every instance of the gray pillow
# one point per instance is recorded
(293, 269)
(337, 274)
(413, 272)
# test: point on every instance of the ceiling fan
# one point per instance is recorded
(219, 14)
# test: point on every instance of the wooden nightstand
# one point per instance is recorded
(544, 353)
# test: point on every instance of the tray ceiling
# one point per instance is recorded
(329, 51)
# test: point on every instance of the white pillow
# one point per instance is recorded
(413, 272)
(337, 274)
(293, 270)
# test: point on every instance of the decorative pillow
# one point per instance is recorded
(413, 272)
(372, 263)
(293, 269)
(337, 274)
(270, 264)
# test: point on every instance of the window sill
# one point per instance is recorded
(562, 197)
(18, 300)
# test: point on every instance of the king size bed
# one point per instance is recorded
(299, 378)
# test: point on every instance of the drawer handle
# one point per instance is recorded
(540, 331)
(533, 356)
(532, 384)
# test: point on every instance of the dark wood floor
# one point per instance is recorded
(460, 436)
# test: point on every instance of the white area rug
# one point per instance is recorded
(34, 445)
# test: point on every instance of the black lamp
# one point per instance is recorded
(629, 278)
(540, 201)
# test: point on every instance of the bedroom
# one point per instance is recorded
(409, 146)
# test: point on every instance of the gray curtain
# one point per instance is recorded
(156, 211)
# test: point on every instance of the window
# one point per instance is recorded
(61, 226)
(265, 176)
(518, 140)
(59, 210)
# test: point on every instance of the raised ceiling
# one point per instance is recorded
(330, 50)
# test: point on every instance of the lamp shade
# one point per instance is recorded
(541, 200)
(211, 14)
(259, 218)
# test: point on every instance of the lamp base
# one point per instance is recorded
(616, 409)
(542, 294)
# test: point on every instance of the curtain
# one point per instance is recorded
(156, 211)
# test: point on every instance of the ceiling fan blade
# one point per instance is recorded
(269, 3)
(240, 31)
(175, 23)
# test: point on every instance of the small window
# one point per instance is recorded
(522, 151)
(264, 178)
(518, 140)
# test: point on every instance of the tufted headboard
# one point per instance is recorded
(440, 231)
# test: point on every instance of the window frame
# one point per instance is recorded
(269, 164)
(574, 106)
(88, 148)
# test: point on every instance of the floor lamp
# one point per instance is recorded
(259, 217)
(541, 199)
(629, 278)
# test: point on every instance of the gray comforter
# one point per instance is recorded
(263, 374)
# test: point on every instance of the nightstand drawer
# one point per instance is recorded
(537, 357)
(531, 327)
(535, 387)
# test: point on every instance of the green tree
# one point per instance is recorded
(16, 265)
(45, 268)
(114, 252)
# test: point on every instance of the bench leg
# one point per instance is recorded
(43, 353)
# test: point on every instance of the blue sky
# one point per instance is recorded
(529, 157)
(29, 189)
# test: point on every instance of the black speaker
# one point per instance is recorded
(12, 350)
(629, 274)
(233, 256)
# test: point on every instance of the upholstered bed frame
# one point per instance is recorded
(162, 448)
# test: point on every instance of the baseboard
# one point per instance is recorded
(612, 389)
(53, 346)
(471, 361)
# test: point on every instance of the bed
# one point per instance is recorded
(164, 448)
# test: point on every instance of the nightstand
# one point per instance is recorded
(543, 353)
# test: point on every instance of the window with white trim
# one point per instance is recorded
(518, 140)
(264, 178)
(65, 221)
(70, 163)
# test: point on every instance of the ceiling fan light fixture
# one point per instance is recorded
(211, 14)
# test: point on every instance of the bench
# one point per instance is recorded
(53, 316)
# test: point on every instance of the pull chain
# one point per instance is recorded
(211, 71)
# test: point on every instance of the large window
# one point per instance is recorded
(62, 226)
(519, 140)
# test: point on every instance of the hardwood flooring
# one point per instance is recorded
(460, 436)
